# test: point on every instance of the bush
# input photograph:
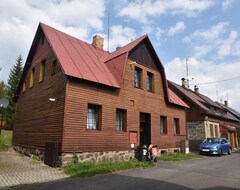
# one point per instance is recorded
(5, 140)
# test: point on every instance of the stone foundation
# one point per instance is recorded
(112, 156)
(30, 152)
(168, 150)
(67, 158)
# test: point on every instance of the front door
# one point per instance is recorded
(145, 128)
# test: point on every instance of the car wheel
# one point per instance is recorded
(230, 151)
(219, 152)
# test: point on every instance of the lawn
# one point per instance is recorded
(178, 156)
(91, 169)
(5, 139)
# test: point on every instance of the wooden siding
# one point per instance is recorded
(143, 55)
(37, 119)
(80, 93)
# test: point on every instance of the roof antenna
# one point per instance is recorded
(108, 30)
(187, 67)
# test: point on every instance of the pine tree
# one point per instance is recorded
(2, 89)
(13, 79)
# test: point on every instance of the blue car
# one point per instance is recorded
(215, 146)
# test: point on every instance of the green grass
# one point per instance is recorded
(91, 169)
(5, 140)
(178, 156)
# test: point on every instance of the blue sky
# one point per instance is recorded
(207, 32)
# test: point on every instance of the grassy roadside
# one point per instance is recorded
(178, 156)
(5, 140)
(91, 169)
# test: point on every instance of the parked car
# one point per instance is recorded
(215, 146)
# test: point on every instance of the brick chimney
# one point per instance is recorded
(185, 83)
(196, 89)
(226, 103)
(98, 41)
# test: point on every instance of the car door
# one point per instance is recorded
(223, 145)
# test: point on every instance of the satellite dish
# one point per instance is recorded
(4, 102)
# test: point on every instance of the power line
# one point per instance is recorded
(213, 82)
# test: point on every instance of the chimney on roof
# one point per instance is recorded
(117, 48)
(226, 103)
(98, 41)
(196, 89)
(185, 83)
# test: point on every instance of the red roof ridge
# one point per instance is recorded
(173, 98)
(125, 48)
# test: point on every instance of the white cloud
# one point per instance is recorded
(236, 48)
(216, 41)
(206, 71)
(159, 33)
(179, 27)
(119, 36)
(225, 48)
(140, 10)
(227, 4)
(208, 34)
(19, 21)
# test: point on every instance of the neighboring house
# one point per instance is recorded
(206, 118)
(97, 104)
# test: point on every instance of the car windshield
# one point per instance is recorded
(211, 140)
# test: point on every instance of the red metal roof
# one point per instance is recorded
(126, 48)
(80, 59)
(173, 98)
(85, 61)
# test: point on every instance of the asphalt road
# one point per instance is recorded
(208, 173)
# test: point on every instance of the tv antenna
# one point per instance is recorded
(108, 26)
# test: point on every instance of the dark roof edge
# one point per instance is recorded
(28, 61)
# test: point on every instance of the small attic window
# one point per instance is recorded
(42, 70)
(42, 39)
(53, 67)
(31, 78)
(24, 86)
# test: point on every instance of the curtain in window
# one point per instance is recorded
(162, 125)
(92, 118)
(119, 120)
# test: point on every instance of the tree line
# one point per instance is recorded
(8, 90)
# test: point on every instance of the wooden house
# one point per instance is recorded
(206, 118)
(97, 104)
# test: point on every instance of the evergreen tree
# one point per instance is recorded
(13, 79)
(2, 89)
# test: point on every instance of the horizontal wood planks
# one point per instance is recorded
(77, 138)
(37, 119)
